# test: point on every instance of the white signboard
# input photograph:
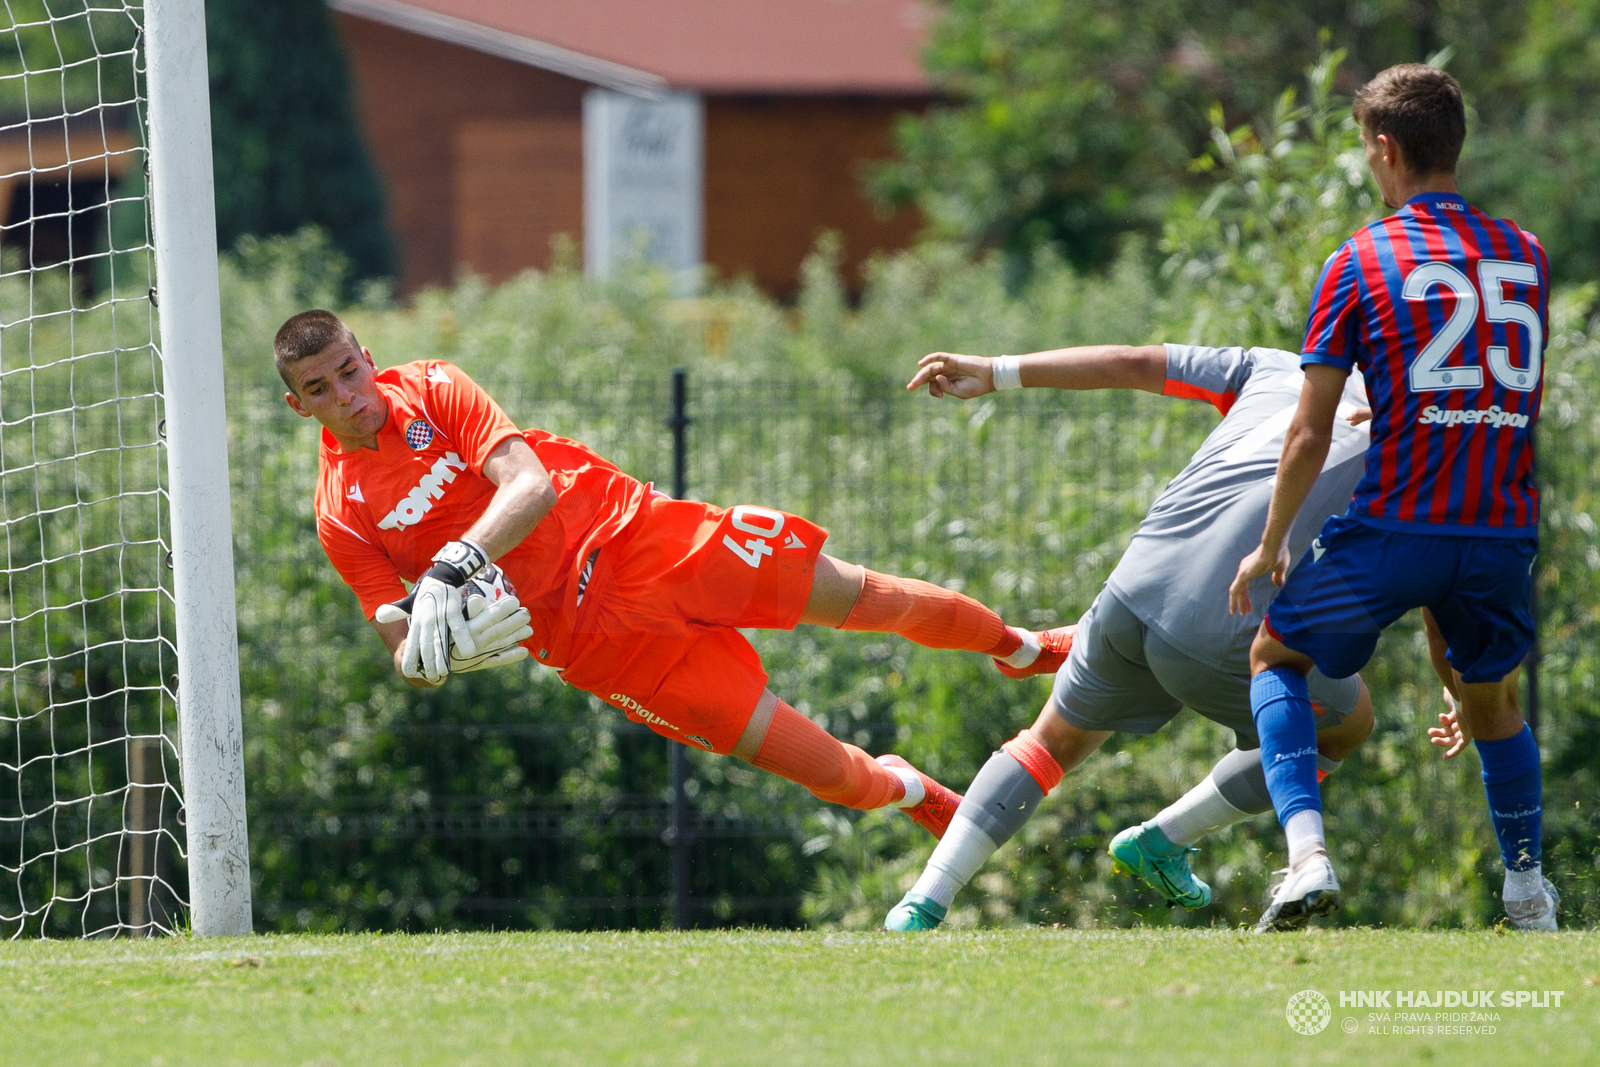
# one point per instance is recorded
(643, 180)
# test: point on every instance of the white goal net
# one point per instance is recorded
(91, 842)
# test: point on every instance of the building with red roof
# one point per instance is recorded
(729, 132)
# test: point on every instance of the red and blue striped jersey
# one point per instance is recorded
(1444, 309)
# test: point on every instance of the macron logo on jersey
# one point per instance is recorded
(1432, 415)
(438, 376)
(416, 503)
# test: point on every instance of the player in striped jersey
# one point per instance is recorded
(1443, 309)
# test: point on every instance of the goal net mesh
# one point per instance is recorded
(90, 815)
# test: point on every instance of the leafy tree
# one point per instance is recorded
(288, 151)
(63, 56)
(1287, 192)
(1069, 122)
(1059, 131)
(1536, 154)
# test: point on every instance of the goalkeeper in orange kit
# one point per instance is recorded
(520, 543)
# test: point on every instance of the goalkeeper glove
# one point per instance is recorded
(498, 622)
(435, 609)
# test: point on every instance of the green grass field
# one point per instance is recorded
(1016, 997)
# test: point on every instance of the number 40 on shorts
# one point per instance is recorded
(763, 523)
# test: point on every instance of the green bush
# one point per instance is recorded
(508, 799)
(1024, 501)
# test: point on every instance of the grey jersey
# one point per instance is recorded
(1176, 572)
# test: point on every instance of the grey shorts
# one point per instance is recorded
(1121, 675)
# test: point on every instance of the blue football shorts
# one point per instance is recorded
(1356, 579)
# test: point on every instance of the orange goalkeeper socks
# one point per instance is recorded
(929, 615)
(798, 749)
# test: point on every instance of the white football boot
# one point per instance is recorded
(1537, 912)
(1309, 889)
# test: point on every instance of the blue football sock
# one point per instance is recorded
(1512, 780)
(1281, 707)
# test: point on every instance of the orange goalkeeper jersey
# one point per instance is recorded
(382, 514)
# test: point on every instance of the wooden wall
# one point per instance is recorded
(482, 161)
(779, 170)
(516, 187)
(450, 130)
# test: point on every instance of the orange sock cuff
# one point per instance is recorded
(798, 749)
(1035, 759)
(929, 615)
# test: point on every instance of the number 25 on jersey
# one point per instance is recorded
(1428, 372)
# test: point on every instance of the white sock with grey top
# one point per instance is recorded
(1001, 798)
(1235, 790)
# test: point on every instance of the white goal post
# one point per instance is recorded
(185, 228)
(121, 749)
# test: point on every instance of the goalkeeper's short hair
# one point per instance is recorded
(306, 334)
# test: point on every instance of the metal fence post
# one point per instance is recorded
(146, 779)
(680, 757)
(1536, 653)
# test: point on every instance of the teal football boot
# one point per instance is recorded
(1143, 852)
(914, 912)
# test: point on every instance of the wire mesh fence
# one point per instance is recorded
(514, 801)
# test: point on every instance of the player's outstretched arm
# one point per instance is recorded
(1305, 449)
(1091, 367)
(437, 628)
(523, 496)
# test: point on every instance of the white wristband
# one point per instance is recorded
(1007, 371)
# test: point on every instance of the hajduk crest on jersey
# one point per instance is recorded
(419, 434)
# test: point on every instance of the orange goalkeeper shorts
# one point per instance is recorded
(657, 629)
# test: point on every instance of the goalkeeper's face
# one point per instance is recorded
(338, 387)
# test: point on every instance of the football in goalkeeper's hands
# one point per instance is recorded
(488, 587)
(497, 619)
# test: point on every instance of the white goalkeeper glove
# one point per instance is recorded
(435, 609)
(498, 622)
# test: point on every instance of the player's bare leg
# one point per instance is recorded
(847, 596)
(781, 740)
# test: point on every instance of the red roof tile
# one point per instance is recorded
(721, 46)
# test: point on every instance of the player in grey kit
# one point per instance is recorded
(1158, 637)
